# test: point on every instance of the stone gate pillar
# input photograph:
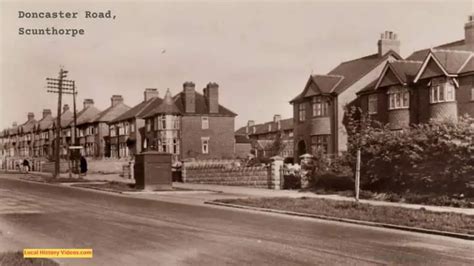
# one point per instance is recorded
(275, 173)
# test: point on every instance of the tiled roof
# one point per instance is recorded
(28, 126)
(242, 139)
(66, 118)
(167, 106)
(452, 60)
(285, 124)
(319, 84)
(86, 115)
(353, 70)
(45, 123)
(111, 113)
(139, 110)
(406, 70)
(469, 66)
(201, 105)
(456, 45)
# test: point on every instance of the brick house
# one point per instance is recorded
(128, 129)
(263, 136)
(95, 137)
(318, 111)
(26, 136)
(191, 125)
(434, 83)
(66, 117)
(44, 135)
(85, 128)
(10, 141)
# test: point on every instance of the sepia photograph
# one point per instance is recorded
(228, 132)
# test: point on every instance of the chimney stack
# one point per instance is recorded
(31, 116)
(469, 33)
(189, 97)
(46, 112)
(276, 118)
(388, 41)
(65, 108)
(150, 93)
(211, 93)
(88, 103)
(115, 100)
(14, 124)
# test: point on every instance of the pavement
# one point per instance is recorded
(129, 230)
(226, 192)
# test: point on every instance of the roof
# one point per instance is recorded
(355, 69)
(87, 115)
(111, 113)
(139, 110)
(459, 45)
(239, 139)
(167, 106)
(202, 107)
(404, 72)
(285, 124)
(66, 118)
(320, 84)
(45, 123)
(450, 62)
(350, 71)
(28, 126)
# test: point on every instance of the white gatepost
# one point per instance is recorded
(275, 171)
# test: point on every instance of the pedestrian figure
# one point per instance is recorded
(83, 165)
(26, 166)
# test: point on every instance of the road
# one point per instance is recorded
(134, 231)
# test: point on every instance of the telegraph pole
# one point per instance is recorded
(58, 85)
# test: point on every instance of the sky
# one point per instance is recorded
(261, 53)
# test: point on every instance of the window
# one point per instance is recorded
(269, 127)
(112, 131)
(205, 145)
(132, 127)
(157, 123)
(175, 146)
(472, 94)
(125, 128)
(161, 121)
(320, 142)
(372, 105)
(442, 90)
(148, 125)
(205, 122)
(320, 106)
(176, 122)
(399, 98)
(301, 112)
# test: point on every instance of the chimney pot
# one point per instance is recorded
(30, 116)
(387, 42)
(66, 107)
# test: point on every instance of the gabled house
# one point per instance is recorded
(435, 83)
(26, 136)
(191, 125)
(85, 128)
(127, 131)
(318, 111)
(66, 117)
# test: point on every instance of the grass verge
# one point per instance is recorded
(115, 186)
(16, 258)
(442, 221)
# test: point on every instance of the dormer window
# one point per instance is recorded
(399, 98)
(441, 90)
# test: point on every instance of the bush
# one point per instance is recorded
(437, 156)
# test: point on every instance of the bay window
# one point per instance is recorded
(372, 104)
(320, 106)
(301, 112)
(399, 98)
(441, 90)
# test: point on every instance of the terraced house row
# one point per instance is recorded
(188, 125)
(432, 83)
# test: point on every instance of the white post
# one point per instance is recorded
(357, 176)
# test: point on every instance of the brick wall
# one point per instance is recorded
(230, 176)
(399, 118)
(220, 133)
